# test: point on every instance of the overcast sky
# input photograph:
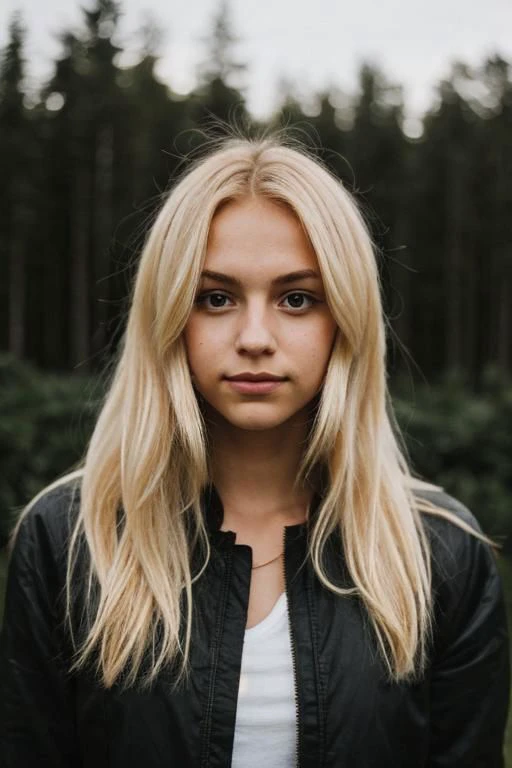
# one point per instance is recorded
(316, 42)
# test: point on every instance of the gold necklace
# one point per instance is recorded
(268, 561)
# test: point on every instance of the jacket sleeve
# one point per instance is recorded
(470, 674)
(36, 695)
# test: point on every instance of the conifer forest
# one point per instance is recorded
(85, 162)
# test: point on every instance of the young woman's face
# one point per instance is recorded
(252, 316)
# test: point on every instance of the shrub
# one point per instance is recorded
(454, 437)
(463, 442)
(46, 422)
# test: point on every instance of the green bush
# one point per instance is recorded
(46, 422)
(454, 437)
(463, 442)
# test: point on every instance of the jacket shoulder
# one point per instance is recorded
(455, 537)
(442, 500)
(465, 577)
(48, 520)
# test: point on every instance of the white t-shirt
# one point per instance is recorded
(265, 730)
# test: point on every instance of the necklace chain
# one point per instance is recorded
(268, 561)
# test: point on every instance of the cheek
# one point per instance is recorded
(199, 332)
(313, 349)
(315, 342)
(201, 346)
(193, 342)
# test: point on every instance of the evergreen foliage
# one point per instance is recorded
(84, 167)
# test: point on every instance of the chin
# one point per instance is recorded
(252, 417)
(257, 422)
(258, 427)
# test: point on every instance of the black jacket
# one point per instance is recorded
(348, 714)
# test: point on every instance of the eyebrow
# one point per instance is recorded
(291, 277)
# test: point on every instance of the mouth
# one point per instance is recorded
(254, 386)
(255, 377)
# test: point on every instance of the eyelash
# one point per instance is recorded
(201, 298)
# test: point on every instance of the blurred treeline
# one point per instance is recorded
(84, 165)
(85, 162)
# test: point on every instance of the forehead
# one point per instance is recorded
(256, 233)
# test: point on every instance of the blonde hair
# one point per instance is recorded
(147, 459)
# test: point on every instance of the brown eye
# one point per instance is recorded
(297, 298)
(216, 300)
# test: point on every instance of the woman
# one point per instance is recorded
(244, 571)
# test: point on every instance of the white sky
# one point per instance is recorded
(314, 42)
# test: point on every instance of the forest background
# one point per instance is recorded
(84, 166)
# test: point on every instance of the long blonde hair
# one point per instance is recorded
(148, 453)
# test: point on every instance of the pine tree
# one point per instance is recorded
(219, 96)
(14, 190)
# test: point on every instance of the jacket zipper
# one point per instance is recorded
(205, 757)
(294, 661)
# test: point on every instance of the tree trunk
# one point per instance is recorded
(103, 183)
(453, 273)
(17, 294)
(79, 272)
(505, 316)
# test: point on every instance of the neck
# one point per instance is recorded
(255, 474)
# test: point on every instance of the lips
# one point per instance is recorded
(255, 387)
(255, 377)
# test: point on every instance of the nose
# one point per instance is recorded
(255, 335)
